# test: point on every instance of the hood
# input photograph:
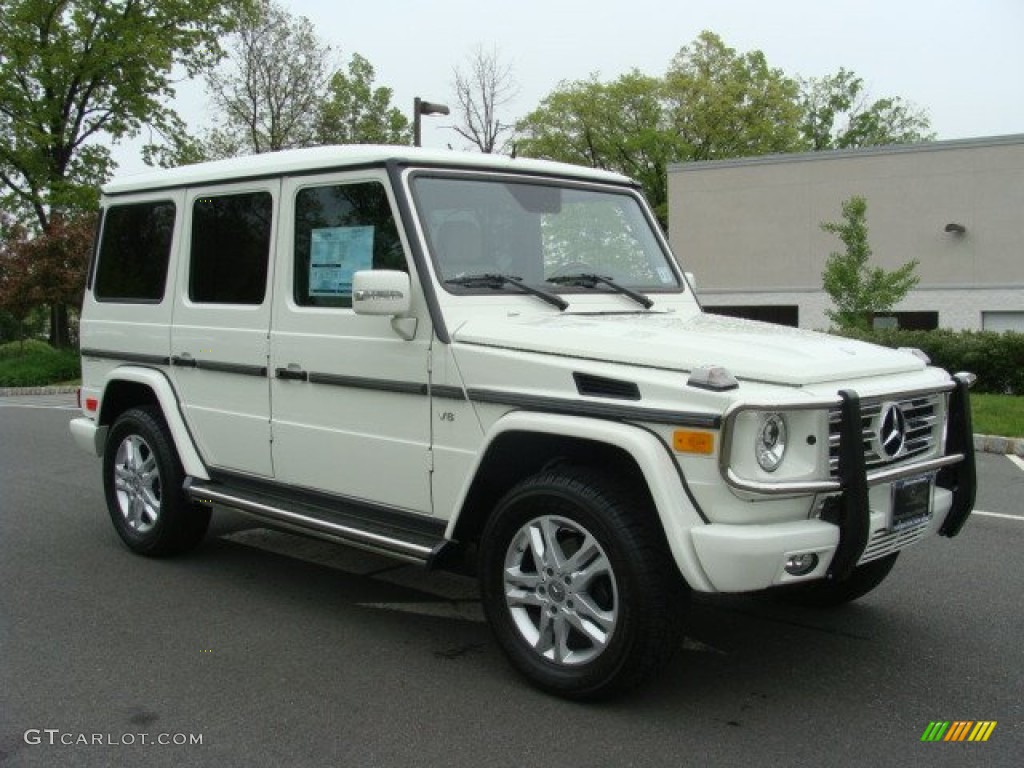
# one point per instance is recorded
(749, 350)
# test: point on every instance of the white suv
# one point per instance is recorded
(445, 356)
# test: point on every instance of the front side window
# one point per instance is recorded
(339, 230)
(540, 233)
(230, 248)
(135, 248)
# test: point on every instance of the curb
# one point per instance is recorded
(15, 391)
(982, 443)
(1012, 446)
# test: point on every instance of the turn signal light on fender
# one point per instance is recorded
(693, 441)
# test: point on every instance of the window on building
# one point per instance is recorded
(230, 248)
(134, 250)
(908, 321)
(780, 314)
(339, 230)
(1002, 321)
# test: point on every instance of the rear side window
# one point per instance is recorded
(134, 250)
(230, 248)
(339, 230)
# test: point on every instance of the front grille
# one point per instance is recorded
(924, 416)
(886, 542)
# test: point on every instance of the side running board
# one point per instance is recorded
(397, 534)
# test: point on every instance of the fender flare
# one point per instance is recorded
(674, 508)
(166, 398)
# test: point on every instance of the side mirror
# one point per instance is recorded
(381, 292)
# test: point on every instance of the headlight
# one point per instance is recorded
(770, 441)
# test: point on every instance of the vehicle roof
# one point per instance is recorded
(316, 159)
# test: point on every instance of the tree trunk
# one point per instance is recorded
(60, 336)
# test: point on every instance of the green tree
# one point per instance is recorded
(75, 71)
(618, 126)
(724, 104)
(857, 289)
(355, 112)
(712, 103)
(838, 113)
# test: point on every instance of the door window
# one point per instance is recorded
(339, 230)
(230, 248)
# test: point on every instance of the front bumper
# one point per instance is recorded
(853, 524)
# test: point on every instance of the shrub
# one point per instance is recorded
(33, 363)
(996, 358)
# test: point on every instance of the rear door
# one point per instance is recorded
(219, 343)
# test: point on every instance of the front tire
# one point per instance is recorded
(142, 478)
(578, 584)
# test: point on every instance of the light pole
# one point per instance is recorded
(421, 107)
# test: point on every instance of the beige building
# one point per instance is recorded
(749, 230)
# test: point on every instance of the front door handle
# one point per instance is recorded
(184, 360)
(291, 373)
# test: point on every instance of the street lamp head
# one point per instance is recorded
(421, 107)
(430, 108)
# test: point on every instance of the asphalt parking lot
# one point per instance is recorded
(262, 648)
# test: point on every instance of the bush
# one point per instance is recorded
(34, 363)
(996, 358)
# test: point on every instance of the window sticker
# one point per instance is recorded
(336, 253)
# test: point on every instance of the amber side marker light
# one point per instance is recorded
(692, 441)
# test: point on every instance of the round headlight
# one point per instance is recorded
(770, 442)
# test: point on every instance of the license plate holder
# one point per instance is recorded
(911, 502)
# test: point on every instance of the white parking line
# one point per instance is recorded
(1000, 515)
(1016, 460)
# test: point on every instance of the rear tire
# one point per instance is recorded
(578, 584)
(829, 594)
(142, 478)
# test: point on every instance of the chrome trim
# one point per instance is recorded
(909, 470)
(806, 487)
(795, 488)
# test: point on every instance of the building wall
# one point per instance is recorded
(750, 229)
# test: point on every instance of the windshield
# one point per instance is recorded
(538, 232)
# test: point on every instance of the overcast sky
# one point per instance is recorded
(962, 60)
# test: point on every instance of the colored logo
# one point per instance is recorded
(958, 730)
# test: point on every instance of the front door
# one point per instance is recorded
(349, 394)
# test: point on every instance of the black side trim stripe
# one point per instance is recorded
(126, 357)
(596, 410)
(387, 385)
(240, 368)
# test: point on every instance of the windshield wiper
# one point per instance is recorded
(591, 280)
(496, 280)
